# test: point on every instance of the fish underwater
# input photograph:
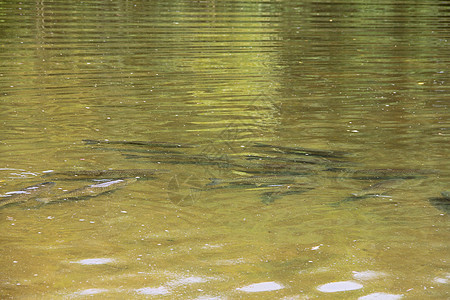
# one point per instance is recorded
(26, 194)
(373, 190)
(443, 202)
(300, 160)
(105, 174)
(383, 174)
(274, 187)
(378, 188)
(255, 181)
(92, 190)
(302, 151)
(281, 191)
(140, 143)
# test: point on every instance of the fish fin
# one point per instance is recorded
(269, 197)
(214, 181)
(43, 200)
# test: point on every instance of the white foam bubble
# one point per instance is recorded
(444, 279)
(380, 296)
(339, 286)
(440, 280)
(93, 261)
(153, 291)
(188, 280)
(367, 275)
(91, 291)
(261, 287)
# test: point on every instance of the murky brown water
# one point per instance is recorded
(234, 89)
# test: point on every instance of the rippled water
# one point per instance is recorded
(229, 91)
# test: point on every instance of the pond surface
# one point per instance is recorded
(282, 149)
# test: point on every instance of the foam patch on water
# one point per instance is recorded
(93, 261)
(187, 280)
(23, 174)
(152, 291)
(380, 296)
(367, 275)
(440, 280)
(261, 287)
(230, 262)
(444, 279)
(91, 292)
(168, 287)
(208, 246)
(340, 286)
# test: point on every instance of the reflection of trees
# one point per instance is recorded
(220, 55)
(347, 62)
(242, 63)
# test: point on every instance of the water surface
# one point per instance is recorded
(229, 92)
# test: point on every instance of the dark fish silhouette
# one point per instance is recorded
(386, 173)
(441, 204)
(302, 159)
(92, 174)
(181, 160)
(302, 151)
(139, 143)
(139, 150)
(256, 181)
(373, 190)
(92, 190)
(378, 188)
(270, 197)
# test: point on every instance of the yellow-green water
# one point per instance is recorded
(366, 78)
